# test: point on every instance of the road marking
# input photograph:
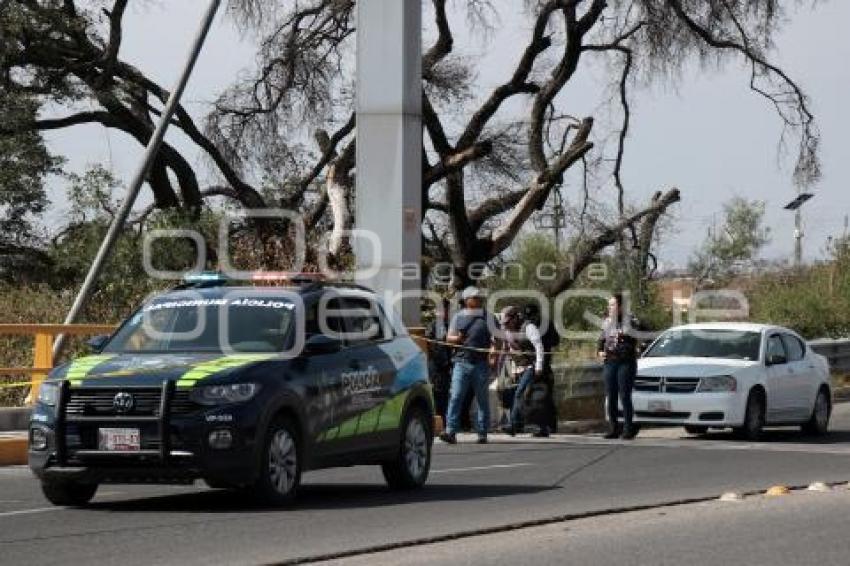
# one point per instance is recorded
(478, 468)
(29, 511)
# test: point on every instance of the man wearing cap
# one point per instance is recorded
(471, 330)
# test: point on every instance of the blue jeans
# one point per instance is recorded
(517, 418)
(466, 375)
(619, 382)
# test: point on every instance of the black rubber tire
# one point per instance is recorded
(696, 429)
(409, 469)
(754, 418)
(282, 446)
(68, 493)
(818, 425)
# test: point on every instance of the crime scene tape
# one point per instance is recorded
(138, 371)
(483, 350)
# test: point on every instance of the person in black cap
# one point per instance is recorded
(472, 331)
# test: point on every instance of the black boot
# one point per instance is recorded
(629, 433)
(542, 433)
(613, 432)
(448, 438)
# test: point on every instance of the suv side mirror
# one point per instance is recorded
(776, 360)
(322, 344)
(97, 343)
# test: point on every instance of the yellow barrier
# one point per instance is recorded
(44, 335)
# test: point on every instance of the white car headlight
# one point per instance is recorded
(717, 383)
(224, 394)
(48, 393)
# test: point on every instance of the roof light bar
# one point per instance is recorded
(204, 277)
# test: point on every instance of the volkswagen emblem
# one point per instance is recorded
(123, 402)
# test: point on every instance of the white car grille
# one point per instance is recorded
(655, 384)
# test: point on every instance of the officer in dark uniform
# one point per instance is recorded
(543, 411)
(440, 358)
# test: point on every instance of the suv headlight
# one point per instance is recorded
(717, 383)
(48, 393)
(224, 394)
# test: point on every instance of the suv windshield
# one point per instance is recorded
(179, 324)
(728, 344)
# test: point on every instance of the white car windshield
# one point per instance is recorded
(702, 343)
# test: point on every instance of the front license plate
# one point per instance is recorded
(119, 439)
(660, 407)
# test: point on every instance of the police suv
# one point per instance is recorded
(243, 387)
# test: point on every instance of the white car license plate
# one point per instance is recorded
(660, 407)
(119, 439)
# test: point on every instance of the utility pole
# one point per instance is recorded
(554, 220)
(389, 149)
(796, 206)
(139, 177)
(798, 237)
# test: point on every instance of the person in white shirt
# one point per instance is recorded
(525, 346)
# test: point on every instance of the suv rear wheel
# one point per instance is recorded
(409, 470)
(68, 493)
(280, 466)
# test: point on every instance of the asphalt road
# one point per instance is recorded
(500, 486)
(802, 529)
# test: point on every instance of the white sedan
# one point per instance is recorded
(744, 376)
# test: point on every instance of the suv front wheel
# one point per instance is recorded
(409, 469)
(70, 493)
(280, 466)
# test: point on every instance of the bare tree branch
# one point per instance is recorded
(585, 251)
(808, 166)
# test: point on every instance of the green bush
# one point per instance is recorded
(814, 300)
(43, 305)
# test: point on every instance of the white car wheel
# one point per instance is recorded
(818, 424)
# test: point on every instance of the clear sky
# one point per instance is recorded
(709, 135)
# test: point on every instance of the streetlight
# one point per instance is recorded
(796, 205)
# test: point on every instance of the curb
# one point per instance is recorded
(13, 449)
(582, 427)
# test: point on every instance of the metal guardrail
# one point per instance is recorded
(577, 380)
(836, 351)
